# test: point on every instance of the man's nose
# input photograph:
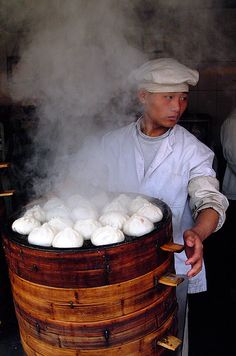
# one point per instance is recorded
(176, 105)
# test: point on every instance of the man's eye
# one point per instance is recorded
(183, 98)
(169, 97)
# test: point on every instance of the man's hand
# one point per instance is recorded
(194, 252)
(205, 225)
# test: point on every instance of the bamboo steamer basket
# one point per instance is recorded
(94, 300)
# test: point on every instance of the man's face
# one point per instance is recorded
(163, 109)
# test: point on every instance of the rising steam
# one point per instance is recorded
(76, 56)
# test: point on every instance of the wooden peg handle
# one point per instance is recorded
(7, 193)
(4, 165)
(170, 279)
(169, 342)
(172, 247)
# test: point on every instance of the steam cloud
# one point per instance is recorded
(75, 60)
(76, 56)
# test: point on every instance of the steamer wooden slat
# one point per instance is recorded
(120, 329)
(109, 293)
(146, 346)
(89, 268)
(90, 303)
(105, 300)
(126, 267)
(88, 312)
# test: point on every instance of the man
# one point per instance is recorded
(157, 157)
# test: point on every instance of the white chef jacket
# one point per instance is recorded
(180, 158)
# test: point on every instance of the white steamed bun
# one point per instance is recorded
(115, 219)
(25, 224)
(137, 225)
(137, 203)
(151, 211)
(36, 212)
(42, 235)
(60, 223)
(106, 235)
(86, 227)
(68, 238)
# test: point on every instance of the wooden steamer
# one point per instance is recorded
(95, 301)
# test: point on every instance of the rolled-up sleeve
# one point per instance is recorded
(204, 193)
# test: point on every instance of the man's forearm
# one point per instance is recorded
(206, 223)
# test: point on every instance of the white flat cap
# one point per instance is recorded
(165, 75)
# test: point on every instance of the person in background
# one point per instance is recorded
(157, 157)
(228, 142)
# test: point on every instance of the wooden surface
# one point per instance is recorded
(172, 247)
(4, 165)
(7, 193)
(88, 268)
(90, 304)
(145, 346)
(170, 279)
(170, 342)
(93, 301)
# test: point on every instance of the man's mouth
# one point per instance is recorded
(173, 117)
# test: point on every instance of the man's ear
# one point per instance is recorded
(142, 94)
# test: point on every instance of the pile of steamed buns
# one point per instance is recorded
(69, 222)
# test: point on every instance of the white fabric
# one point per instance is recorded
(164, 88)
(149, 145)
(181, 157)
(165, 75)
(228, 141)
(204, 193)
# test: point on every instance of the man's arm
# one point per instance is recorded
(206, 223)
(204, 193)
(208, 207)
